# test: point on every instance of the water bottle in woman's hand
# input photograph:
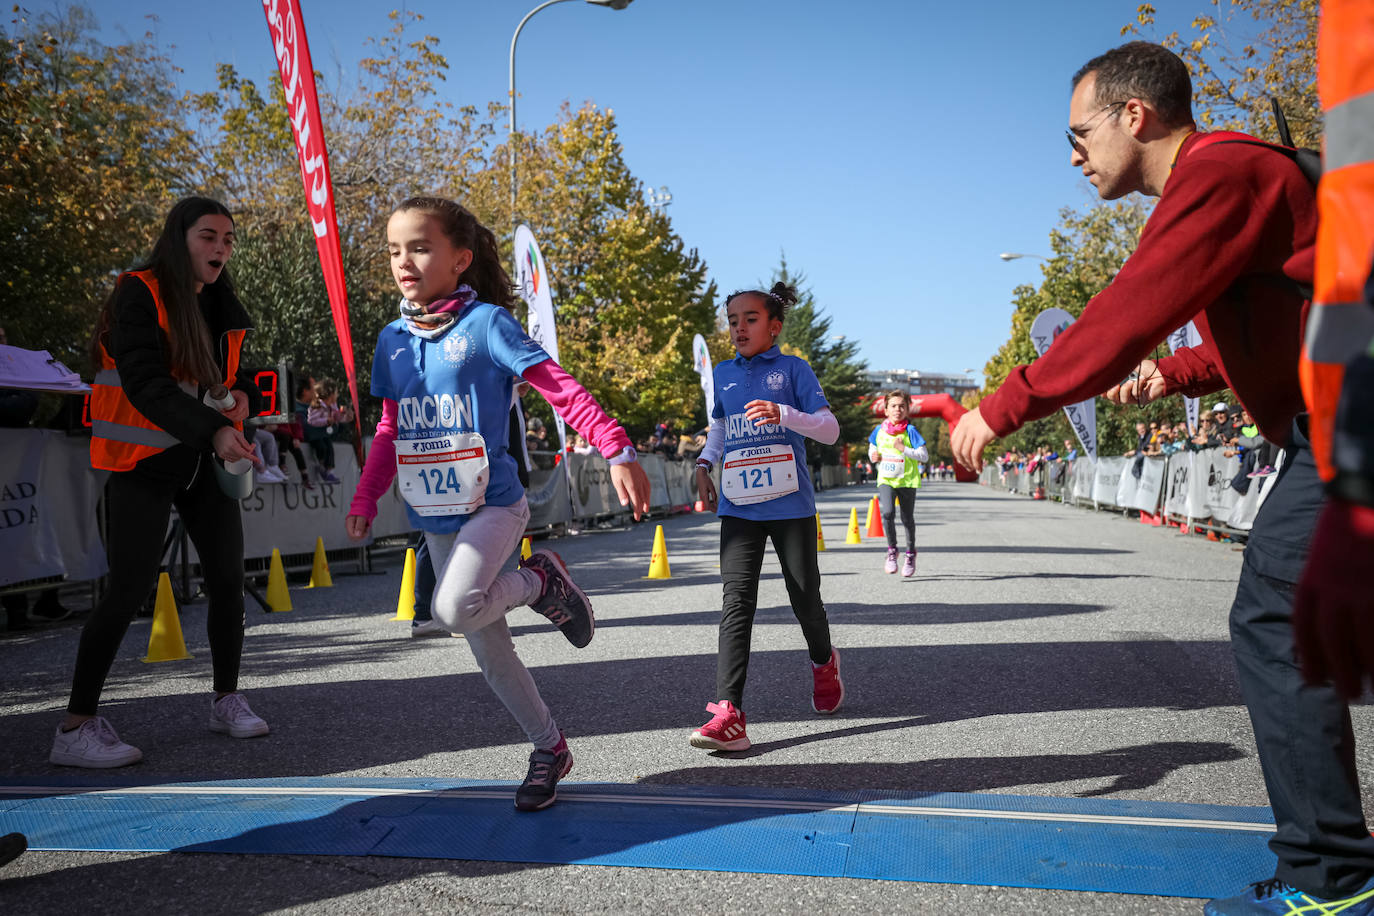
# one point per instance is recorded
(220, 398)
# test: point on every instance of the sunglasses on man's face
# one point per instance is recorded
(1078, 136)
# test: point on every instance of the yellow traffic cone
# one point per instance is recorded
(658, 563)
(278, 598)
(872, 507)
(526, 548)
(820, 535)
(165, 642)
(853, 536)
(319, 572)
(405, 602)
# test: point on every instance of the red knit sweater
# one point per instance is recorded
(1233, 220)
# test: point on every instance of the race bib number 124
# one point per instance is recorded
(446, 475)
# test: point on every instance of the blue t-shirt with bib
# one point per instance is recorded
(458, 382)
(769, 376)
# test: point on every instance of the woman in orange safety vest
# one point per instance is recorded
(170, 331)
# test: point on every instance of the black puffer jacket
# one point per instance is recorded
(141, 352)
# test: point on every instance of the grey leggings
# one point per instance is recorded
(472, 596)
(906, 500)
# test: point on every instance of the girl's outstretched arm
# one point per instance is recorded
(576, 405)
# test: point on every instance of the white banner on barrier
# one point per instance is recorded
(48, 494)
(1176, 486)
(1141, 492)
(1083, 471)
(1106, 479)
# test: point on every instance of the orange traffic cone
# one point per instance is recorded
(875, 521)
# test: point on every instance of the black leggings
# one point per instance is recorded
(742, 544)
(323, 450)
(139, 504)
(906, 499)
(285, 444)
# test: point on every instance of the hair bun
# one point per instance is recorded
(783, 292)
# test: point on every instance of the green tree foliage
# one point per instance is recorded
(1241, 53)
(93, 152)
(95, 147)
(628, 294)
(806, 333)
(1089, 247)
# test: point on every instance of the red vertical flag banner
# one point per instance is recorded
(287, 27)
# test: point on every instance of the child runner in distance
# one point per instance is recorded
(897, 449)
(765, 403)
(444, 372)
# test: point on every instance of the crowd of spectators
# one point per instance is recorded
(1231, 429)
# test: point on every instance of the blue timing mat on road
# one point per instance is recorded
(1128, 847)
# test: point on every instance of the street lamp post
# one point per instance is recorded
(612, 4)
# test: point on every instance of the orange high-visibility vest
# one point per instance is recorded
(121, 437)
(1340, 326)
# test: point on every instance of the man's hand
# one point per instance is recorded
(1147, 385)
(632, 486)
(1333, 612)
(969, 438)
(357, 526)
(706, 489)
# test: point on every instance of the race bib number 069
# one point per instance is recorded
(446, 475)
(758, 473)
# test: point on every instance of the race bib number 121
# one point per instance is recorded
(758, 473)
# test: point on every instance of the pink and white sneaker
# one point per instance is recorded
(725, 731)
(890, 566)
(909, 565)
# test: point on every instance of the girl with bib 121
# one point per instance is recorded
(444, 371)
(766, 402)
(897, 450)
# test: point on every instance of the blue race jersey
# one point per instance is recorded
(769, 376)
(459, 382)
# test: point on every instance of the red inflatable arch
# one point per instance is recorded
(936, 405)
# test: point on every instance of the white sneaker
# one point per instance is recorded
(230, 715)
(93, 744)
(427, 628)
(271, 475)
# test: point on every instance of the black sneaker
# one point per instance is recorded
(540, 788)
(49, 608)
(561, 601)
(12, 845)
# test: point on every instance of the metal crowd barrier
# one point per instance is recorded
(1192, 490)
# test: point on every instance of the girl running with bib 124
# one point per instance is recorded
(897, 450)
(444, 371)
(766, 402)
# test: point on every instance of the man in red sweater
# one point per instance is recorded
(1228, 246)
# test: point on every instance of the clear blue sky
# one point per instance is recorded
(892, 148)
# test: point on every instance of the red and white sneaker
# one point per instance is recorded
(725, 732)
(827, 691)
